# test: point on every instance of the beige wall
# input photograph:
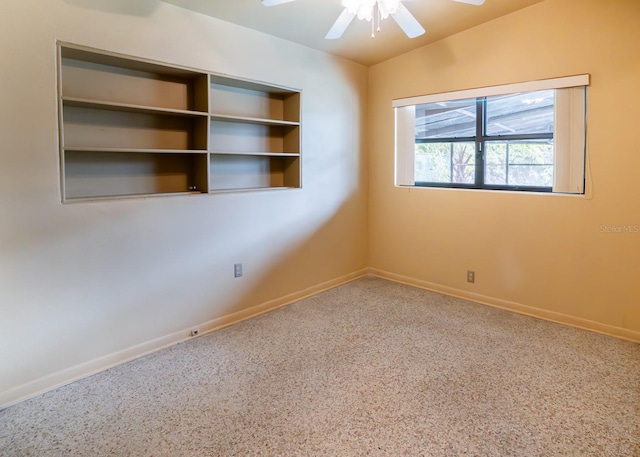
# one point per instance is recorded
(542, 254)
(86, 285)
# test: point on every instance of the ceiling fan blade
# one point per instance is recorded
(407, 22)
(274, 2)
(471, 2)
(340, 25)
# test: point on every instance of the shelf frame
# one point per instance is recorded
(282, 124)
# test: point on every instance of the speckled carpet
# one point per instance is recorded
(369, 368)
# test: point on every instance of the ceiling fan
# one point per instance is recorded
(371, 10)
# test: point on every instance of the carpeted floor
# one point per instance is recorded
(369, 368)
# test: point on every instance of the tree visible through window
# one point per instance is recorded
(519, 163)
(446, 162)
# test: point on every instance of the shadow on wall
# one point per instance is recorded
(126, 7)
(334, 249)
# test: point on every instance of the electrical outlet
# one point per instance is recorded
(237, 270)
(471, 276)
(195, 332)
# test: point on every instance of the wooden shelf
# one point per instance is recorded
(136, 151)
(247, 189)
(263, 154)
(252, 120)
(128, 108)
(129, 196)
(136, 128)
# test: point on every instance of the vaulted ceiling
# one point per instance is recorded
(307, 22)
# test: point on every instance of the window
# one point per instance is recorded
(528, 136)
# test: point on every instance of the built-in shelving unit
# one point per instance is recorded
(255, 135)
(133, 127)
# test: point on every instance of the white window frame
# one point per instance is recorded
(569, 129)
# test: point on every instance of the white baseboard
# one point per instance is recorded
(547, 315)
(83, 370)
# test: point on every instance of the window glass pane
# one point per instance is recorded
(519, 163)
(517, 114)
(454, 119)
(452, 162)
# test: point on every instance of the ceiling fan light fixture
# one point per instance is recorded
(361, 8)
(387, 7)
(365, 9)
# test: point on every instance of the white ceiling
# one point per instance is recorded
(307, 22)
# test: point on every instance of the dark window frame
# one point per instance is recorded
(480, 140)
